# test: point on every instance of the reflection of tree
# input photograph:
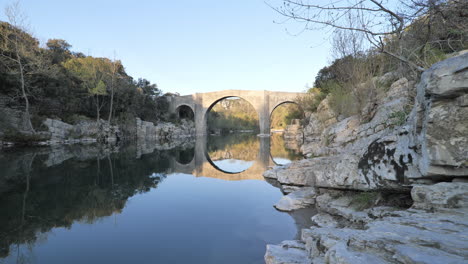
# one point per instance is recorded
(278, 149)
(236, 146)
(58, 196)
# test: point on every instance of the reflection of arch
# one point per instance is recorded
(218, 168)
(185, 112)
(207, 157)
(226, 97)
(185, 156)
(273, 160)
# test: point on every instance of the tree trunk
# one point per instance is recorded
(23, 91)
(111, 99)
(97, 109)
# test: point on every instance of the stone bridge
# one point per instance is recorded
(264, 103)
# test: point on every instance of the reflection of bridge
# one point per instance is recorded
(202, 166)
(264, 103)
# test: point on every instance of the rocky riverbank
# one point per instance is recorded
(389, 185)
(56, 132)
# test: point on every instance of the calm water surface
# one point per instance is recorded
(204, 202)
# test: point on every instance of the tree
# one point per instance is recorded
(15, 50)
(113, 73)
(93, 73)
(59, 49)
(382, 22)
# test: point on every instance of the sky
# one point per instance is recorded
(187, 46)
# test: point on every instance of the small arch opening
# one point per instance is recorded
(286, 133)
(185, 112)
(185, 156)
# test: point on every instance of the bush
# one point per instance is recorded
(75, 119)
(399, 118)
(342, 101)
(37, 123)
(311, 100)
(364, 200)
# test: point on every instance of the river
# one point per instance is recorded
(203, 202)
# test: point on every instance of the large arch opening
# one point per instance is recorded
(231, 114)
(286, 133)
(185, 112)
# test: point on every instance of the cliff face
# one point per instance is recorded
(404, 141)
(409, 149)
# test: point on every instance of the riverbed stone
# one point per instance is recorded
(324, 220)
(301, 198)
(288, 252)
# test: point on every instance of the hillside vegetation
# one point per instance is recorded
(362, 70)
(50, 80)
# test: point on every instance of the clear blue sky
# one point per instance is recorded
(187, 46)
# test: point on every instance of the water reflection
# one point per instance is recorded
(139, 202)
(283, 152)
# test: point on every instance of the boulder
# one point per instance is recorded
(288, 252)
(440, 195)
(301, 198)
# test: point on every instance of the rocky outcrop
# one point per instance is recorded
(83, 132)
(442, 118)
(363, 168)
(401, 143)
(89, 131)
(431, 231)
(164, 130)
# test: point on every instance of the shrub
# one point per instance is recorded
(364, 200)
(311, 100)
(37, 122)
(342, 101)
(75, 119)
(399, 118)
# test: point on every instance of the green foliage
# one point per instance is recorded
(37, 122)
(364, 200)
(311, 100)
(232, 114)
(398, 117)
(75, 119)
(342, 101)
(428, 39)
(62, 83)
(284, 114)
